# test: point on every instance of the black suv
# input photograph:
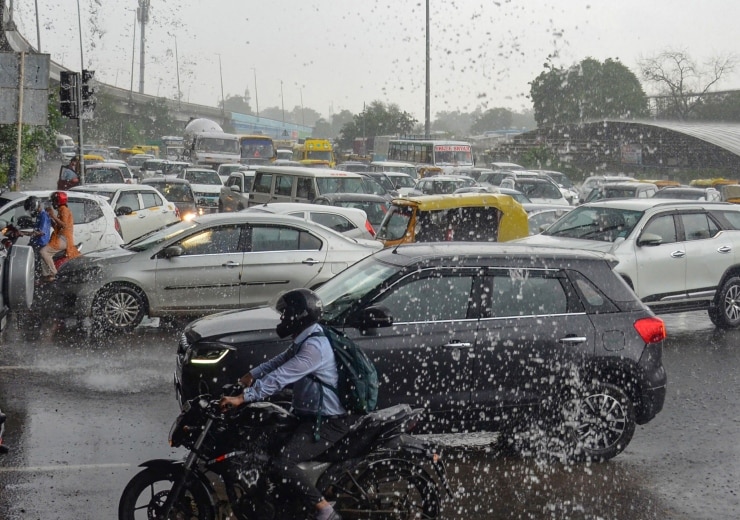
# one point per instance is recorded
(483, 335)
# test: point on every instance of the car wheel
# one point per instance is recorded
(596, 422)
(19, 278)
(220, 207)
(118, 308)
(726, 312)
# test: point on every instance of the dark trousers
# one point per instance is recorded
(301, 447)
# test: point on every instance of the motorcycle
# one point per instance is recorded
(11, 234)
(375, 471)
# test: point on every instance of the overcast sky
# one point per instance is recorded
(339, 54)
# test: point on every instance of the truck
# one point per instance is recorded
(173, 146)
(312, 150)
(206, 144)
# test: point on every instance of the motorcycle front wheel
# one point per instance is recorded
(388, 489)
(145, 495)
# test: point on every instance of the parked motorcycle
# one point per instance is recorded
(376, 471)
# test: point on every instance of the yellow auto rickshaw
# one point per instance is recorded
(731, 193)
(711, 183)
(478, 217)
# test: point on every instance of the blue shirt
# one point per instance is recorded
(304, 357)
(43, 224)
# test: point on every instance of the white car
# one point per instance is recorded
(95, 228)
(352, 222)
(139, 208)
(676, 255)
(211, 263)
(206, 186)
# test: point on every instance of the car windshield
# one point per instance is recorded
(153, 239)
(595, 223)
(342, 185)
(395, 223)
(202, 177)
(351, 285)
(175, 192)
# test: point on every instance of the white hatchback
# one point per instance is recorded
(206, 186)
(96, 226)
(139, 208)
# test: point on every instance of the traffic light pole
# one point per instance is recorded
(81, 163)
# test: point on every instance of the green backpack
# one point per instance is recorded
(358, 380)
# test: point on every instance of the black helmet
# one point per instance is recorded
(298, 309)
(32, 205)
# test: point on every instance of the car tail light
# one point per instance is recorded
(117, 225)
(369, 228)
(651, 330)
(177, 213)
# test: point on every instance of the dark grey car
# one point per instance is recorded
(485, 336)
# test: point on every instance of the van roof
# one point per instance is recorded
(307, 172)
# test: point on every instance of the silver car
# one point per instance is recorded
(212, 263)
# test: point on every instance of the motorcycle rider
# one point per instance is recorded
(41, 233)
(300, 310)
(62, 239)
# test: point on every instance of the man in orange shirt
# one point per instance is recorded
(62, 237)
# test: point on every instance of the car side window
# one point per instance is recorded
(284, 185)
(304, 189)
(664, 227)
(729, 219)
(336, 222)
(232, 181)
(429, 298)
(277, 238)
(262, 183)
(697, 226)
(151, 200)
(129, 199)
(518, 292)
(212, 241)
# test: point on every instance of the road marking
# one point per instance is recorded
(69, 467)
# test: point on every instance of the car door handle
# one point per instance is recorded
(724, 249)
(231, 263)
(573, 340)
(678, 254)
(457, 344)
(310, 261)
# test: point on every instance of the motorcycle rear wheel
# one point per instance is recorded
(145, 494)
(388, 489)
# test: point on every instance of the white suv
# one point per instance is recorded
(676, 255)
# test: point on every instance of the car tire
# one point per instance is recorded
(19, 278)
(118, 308)
(725, 314)
(596, 422)
(220, 207)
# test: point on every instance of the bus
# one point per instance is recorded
(315, 150)
(448, 155)
(257, 149)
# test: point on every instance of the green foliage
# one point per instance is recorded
(723, 107)
(377, 119)
(588, 91)
(492, 119)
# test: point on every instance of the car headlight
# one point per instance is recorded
(79, 276)
(207, 354)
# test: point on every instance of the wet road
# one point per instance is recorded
(84, 411)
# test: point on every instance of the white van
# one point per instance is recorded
(295, 184)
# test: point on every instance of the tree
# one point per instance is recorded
(376, 119)
(234, 103)
(587, 91)
(492, 119)
(677, 77)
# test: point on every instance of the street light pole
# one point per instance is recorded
(143, 13)
(38, 28)
(282, 101)
(256, 98)
(133, 54)
(177, 66)
(426, 101)
(81, 163)
(223, 101)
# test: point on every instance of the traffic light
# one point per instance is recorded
(68, 94)
(88, 90)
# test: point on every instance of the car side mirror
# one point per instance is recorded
(123, 210)
(235, 188)
(649, 239)
(172, 251)
(372, 317)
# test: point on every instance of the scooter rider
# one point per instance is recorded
(41, 233)
(300, 310)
